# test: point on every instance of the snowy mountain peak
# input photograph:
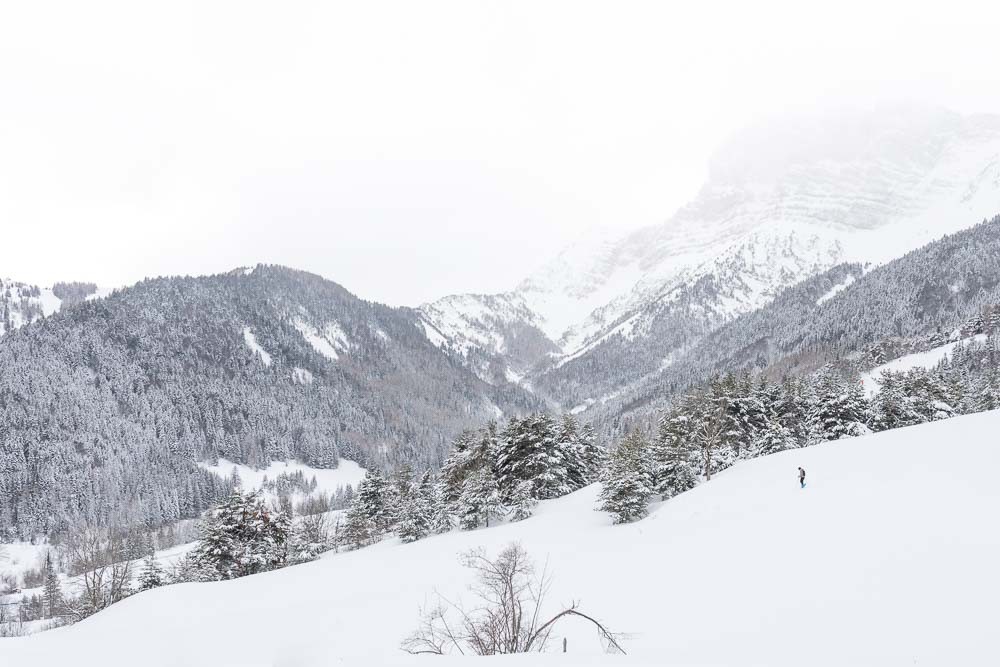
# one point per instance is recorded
(785, 200)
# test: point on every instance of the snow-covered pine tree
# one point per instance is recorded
(718, 428)
(794, 409)
(471, 451)
(841, 407)
(398, 492)
(242, 536)
(370, 515)
(442, 512)
(929, 395)
(595, 456)
(528, 450)
(456, 465)
(985, 391)
(374, 499)
(359, 530)
(890, 407)
(774, 437)
(627, 484)
(416, 517)
(522, 502)
(480, 501)
(52, 595)
(674, 455)
(152, 574)
(572, 452)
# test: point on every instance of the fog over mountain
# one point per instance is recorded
(784, 201)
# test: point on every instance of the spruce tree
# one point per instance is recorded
(772, 438)
(52, 596)
(480, 501)
(416, 517)
(627, 484)
(442, 512)
(529, 450)
(359, 530)
(841, 407)
(152, 575)
(674, 456)
(522, 502)
(242, 536)
(595, 456)
(370, 515)
(891, 408)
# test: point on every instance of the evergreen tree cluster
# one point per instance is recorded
(242, 536)
(491, 473)
(738, 417)
(107, 405)
(952, 282)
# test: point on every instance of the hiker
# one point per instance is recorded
(802, 477)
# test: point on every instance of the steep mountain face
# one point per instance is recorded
(106, 406)
(784, 201)
(836, 315)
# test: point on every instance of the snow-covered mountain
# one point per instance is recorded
(784, 200)
(747, 569)
(251, 366)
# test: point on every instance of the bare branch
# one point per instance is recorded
(512, 597)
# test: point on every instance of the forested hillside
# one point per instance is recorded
(105, 406)
(837, 315)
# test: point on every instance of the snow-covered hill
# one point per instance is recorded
(784, 201)
(927, 359)
(746, 569)
(22, 304)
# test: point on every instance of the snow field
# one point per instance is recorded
(327, 479)
(886, 558)
(928, 359)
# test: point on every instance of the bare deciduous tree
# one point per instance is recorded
(104, 573)
(508, 618)
(709, 435)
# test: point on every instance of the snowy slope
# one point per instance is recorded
(784, 201)
(927, 359)
(886, 558)
(347, 473)
(23, 304)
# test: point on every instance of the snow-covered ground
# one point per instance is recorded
(870, 381)
(251, 341)
(888, 557)
(18, 557)
(347, 473)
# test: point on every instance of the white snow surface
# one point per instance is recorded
(327, 479)
(301, 376)
(252, 343)
(17, 557)
(887, 557)
(835, 290)
(329, 342)
(928, 359)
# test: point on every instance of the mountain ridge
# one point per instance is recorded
(782, 203)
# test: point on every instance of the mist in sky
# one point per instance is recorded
(410, 150)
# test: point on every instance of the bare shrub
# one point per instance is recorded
(508, 617)
(105, 574)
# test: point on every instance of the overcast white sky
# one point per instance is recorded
(412, 149)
